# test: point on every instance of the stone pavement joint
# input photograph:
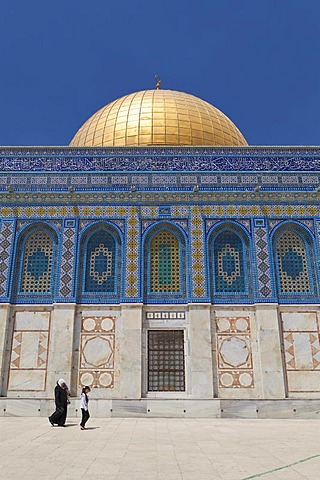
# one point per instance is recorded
(281, 468)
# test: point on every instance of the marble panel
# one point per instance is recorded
(104, 408)
(97, 351)
(23, 408)
(234, 352)
(202, 408)
(61, 345)
(27, 380)
(4, 324)
(306, 408)
(165, 408)
(273, 384)
(32, 320)
(29, 350)
(299, 321)
(238, 408)
(275, 409)
(129, 408)
(303, 381)
(270, 352)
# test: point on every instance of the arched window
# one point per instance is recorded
(165, 263)
(229, 266)
(100, 263)
(100, 251)
(164, 266)
(37, 266)
(292, 264)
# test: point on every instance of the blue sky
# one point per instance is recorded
(256, 60)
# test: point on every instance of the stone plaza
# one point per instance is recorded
(160, 449)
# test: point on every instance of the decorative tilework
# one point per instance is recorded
(179, 211)
(291, 179)
(209, 179)
(292, 264)
(263, 262)
(164, 268)
(101, 260)
(246, 223)
(210, 223)
(6, 237)
(188, 179)
(37, 266)
(197, 253)
(160, 158)
(132, 255)
(139, 180)
(164, 179)
(234, 352)
(229, 272)
(217, 210)
(149, 211)
(165, 315)
(67, 267)
(97, 349)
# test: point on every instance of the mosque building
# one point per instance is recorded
(163, 262)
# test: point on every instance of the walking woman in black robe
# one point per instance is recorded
(61, 393)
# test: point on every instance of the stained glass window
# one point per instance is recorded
(228, 263)
(37, 263)
(164, 263)
(100, 263)
(292, 264)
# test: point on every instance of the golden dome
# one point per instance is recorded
(157, 117)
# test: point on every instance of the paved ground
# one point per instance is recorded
(159, 449)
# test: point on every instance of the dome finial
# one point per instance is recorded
(158, 82)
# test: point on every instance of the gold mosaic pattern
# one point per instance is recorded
(158, 117)
(164, 263)
(208, 210)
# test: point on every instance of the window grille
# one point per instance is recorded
(166, 361)
(37, 263)
(292, 264)
(164, 263)
(228, 264)
(100, 263)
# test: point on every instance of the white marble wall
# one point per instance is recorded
(300, 331)
(233, 352)
(270, 351)
(4, 340)
(29, 352)
(96, 360)
(61, 345)
(128, 349)
(201, 368)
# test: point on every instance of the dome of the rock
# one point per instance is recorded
(158, 117)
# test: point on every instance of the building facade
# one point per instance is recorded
(172, 279)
